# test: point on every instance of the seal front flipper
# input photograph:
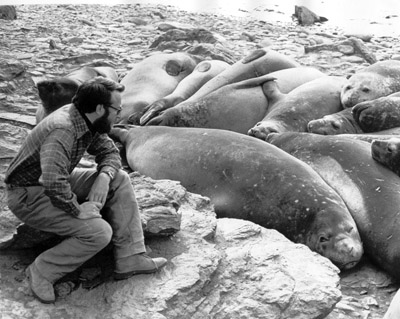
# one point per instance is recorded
(153, 110)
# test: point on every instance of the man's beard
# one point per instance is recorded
(102, 125)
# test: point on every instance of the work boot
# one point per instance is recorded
(137, 264)
(41, 288)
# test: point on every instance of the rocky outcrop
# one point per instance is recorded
(224, 268)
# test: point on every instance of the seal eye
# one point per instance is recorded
(323, 239)
(336, 125)
(366, 90)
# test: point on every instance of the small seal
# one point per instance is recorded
(387, 152)
(341, 122)
(377, 80)
(293, 111)
(377, 115)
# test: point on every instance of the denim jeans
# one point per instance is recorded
(120, 223)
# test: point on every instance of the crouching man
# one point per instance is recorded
(91, 207)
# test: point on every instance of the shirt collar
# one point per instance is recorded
(81, 122)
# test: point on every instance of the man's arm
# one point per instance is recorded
(55, 162)
(106, 154)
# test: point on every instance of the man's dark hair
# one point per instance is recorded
(95, 91)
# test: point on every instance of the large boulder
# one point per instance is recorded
(217, 268)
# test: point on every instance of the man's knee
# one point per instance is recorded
(121, 177)
(100, 233)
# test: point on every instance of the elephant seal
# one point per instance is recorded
(293, 111)
(273, 189)
(151, 79)
(370, 190)
(257, 63)
(203, 72)
(377, 80)
(235, 107)
(57, 92)
(387, 152)
(341, 122)
(393, 311)
(380, 114)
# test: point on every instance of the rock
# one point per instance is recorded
(212, 52)
(138, 21)
(8, 12)
(366, 37)
(169, 25)
(159, 203)
(11, 69)
(199, 35)
(306, 17)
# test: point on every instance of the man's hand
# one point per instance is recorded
(100, 189)
(90, 210)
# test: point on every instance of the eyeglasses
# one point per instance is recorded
(117, 109)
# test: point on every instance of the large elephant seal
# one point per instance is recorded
(203, 72)
(380, 114)
(273, 189)
(293, 111)
(341, 122)
(151, 79)
(387, 152)
(377, 80)
(393, 311)
(257, 63)
(235, 107)
(370, 190)
(57, 92)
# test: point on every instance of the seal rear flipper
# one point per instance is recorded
(260, 80)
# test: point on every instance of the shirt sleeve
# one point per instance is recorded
(106, 153)
(55, 161)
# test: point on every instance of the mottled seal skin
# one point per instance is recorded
(235, 107)
(151, 79)
(341, 122)
(387, 152)
(57, 92)
(273, 189)
(257, 63)
(377, 80)
(203, 72)
(380, 114)
(293, 111)
(369, 189)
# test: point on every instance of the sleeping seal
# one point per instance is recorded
(273, 189)
(377, 80)
(370, 190)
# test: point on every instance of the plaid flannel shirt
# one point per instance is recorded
(53, 149)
